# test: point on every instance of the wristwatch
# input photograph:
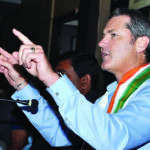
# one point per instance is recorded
(60, 74)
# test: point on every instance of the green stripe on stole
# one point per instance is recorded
(132, 87)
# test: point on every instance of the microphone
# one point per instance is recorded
(31, 103)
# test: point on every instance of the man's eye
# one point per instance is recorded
(113, 34)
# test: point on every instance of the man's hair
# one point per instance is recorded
(139, 25)
(84, 63)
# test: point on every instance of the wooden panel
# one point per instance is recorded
(64, 6)
(138, 4)
(104, 12)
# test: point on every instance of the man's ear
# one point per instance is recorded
(142, 43)
(85, 82)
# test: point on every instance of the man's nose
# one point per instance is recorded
(102, 42)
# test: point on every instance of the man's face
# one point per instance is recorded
(117, 47)
(65, 67)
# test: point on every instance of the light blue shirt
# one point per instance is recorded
(128, 128)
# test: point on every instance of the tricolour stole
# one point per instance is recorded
(131, 81)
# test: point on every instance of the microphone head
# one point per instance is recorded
(33, 103)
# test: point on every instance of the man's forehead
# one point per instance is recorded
(116, 23)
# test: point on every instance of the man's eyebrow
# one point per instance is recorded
(109, 31)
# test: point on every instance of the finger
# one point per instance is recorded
(15, 55)
(5, 54)
(1, 57)
(31, 58)
(22, 37)
(23, 51)
(5, 66)
(26, 50)
(1, 69)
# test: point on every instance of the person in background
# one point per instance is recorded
(83, 70)
(120, 118)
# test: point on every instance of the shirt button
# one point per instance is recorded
(65, 119)
(57, 93)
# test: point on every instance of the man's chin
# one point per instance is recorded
(105, 67)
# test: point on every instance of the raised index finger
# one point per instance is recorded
(22, 37)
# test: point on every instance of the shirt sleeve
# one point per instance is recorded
(126, 129)
(47, 121)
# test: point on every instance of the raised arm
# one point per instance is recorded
(46, 120)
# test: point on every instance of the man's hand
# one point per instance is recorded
(35, 62)
(12, 71)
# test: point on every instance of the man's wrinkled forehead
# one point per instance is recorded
(116, 22)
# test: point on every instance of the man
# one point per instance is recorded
(83, 70)
(120, 119)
